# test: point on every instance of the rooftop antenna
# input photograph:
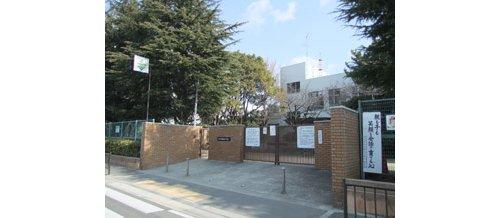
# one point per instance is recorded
(320, 63)
(307, 45)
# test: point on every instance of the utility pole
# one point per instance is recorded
(149, 90)
(195, 113)
(141, 65)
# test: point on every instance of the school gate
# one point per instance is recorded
(275, 143)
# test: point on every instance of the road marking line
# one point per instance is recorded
(132, 202)
(180, 191)
(180, 214)
(111, 214)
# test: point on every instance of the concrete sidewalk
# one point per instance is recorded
(304, 184)
(219, 200)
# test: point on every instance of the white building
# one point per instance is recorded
(308, 81)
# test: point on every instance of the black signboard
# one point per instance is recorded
(224, 139)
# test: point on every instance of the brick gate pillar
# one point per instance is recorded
(345, 149)
(323, 150)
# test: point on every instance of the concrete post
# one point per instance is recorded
(284, 182)
(166, 166)
(108, 160)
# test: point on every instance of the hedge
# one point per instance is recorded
(123, 147)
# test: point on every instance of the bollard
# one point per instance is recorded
(166, 167)
(109, 163)
(187, 168)
(284, 182)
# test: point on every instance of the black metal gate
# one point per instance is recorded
(279, 148)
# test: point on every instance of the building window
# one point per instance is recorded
(334, 97)
(293, 87)
(317, 100)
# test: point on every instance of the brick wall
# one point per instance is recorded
(204, 138)
(345, 150)
(233, 150)
(323, 152)
(179, 141)
(129, 162)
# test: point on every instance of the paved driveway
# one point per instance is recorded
(304, 184)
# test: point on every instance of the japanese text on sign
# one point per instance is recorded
(252, 137)
(320, 136)
(272, 130)
(372, 142)
(305, 137)
(390, 122)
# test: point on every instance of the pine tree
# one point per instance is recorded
(372, 66)
(184, 41)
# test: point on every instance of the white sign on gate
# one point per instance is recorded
(264, 130)
(117, 129)
(272, 130)
(305, 137)
(252, 137)
(320, 136)
(372, 142)
(390, 122)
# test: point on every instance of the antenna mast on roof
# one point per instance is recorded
(307, 45)
(320, 63)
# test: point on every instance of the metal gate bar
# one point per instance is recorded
(371, 185)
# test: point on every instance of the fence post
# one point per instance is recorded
(135, 131)
(284, 182)
(166, 167)
(360, 131)
(109, 163)
(345, 200)
(121, 130)
(187, 168)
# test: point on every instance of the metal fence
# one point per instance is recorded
(365, 198)
(126, 129)
(280, 148)
(385, 107)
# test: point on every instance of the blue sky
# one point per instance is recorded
(277, 30)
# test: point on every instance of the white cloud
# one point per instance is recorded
(324, 2)
(288, 14)
(257, 12)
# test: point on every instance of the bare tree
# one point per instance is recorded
(300, 107)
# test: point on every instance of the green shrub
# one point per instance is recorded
(123, 147)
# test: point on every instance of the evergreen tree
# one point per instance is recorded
(184, 41)
(372, 66)
(252, 91)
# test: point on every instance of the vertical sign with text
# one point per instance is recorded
(372, 142)
(305, 137)
(252, 137)
(272, 130)
(320, 136)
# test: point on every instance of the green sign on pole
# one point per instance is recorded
(141, 64)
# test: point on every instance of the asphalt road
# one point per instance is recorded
(194, 200)
(119, 204)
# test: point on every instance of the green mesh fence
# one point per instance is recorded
(126, 129)
(385, 107)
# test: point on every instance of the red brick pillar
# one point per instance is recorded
(226, 143)
(345, 149)
(323, 150)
